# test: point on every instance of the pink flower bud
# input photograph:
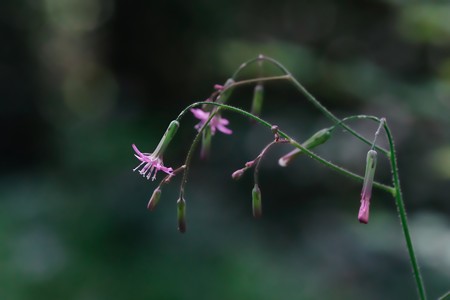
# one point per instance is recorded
(315, 140)
(238, 174)
(366, 193)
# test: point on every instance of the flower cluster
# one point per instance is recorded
(209, 115)
(211, 122)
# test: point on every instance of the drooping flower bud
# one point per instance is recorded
(154, 199)
(181, 214)
(366, 193)
(315, 140)
(256, 201)
(258, 94)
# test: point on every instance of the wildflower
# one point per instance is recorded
(151, 163)
(363, 215)
(216, 123)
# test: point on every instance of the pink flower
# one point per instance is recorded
(216, 123)
(151, 164)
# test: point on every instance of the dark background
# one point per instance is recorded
(81, 80)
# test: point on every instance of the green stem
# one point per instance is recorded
(283, 135)
(402, 215)
(304, 91)
(193, 145)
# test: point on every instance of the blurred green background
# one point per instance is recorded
(81, 80)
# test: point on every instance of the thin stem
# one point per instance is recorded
(286, 136)
(260, 58)
(329, 114)
(365, 117)
(258, 159)
(193, 145)
(377, 133)
(257, 80)
(402, 215)
(305, 92)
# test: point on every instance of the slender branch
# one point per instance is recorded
(291, 140)
(260, 58)
(193, 145)
(305, 92)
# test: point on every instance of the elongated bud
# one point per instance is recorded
(154, 199)
(223, 98)
(206, 143)
(256, 201)
(257, 103)
(315, 140)
(181, 215)
(238, 174)
(366, 193)
(167, 138)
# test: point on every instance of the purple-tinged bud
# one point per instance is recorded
(256, 201)
(258, 94)
(366, 193)
(238, 174)
(154, 199)
(286, 159)
(249, 164)
(181, 215)
(218, 87)
(315, 140)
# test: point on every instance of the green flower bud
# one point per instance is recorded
(167, 138)
(154, 199)
(315, 140)
(258, 94)
(256, 201)
(181, 215)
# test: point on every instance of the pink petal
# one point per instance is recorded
(363, 215)
(224, 121)
(139, 153)
(199, 113)
(223, 129)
